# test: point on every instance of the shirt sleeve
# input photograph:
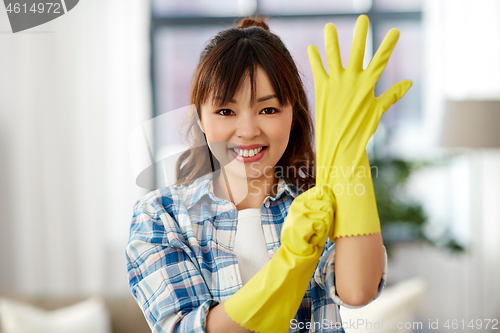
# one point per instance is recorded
(325, 276)
(164, 277)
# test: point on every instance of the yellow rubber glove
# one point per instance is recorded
(347, 115)
(270, 299)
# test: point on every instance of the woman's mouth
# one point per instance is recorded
(248, 155)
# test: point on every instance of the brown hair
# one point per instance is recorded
(230, 56)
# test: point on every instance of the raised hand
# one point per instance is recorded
(347, 115)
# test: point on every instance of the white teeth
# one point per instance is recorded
(248, 153)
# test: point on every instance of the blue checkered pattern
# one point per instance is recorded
(181, 263)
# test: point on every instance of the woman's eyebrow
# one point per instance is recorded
(262, 99)
(265, 98)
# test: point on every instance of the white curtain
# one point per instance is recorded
(72, 90)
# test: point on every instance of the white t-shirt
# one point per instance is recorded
(250, 245)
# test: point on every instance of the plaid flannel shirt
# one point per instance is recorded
(181, 263)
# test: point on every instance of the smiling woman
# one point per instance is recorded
(239, 243)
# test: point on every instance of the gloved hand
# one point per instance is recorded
(347, 114)
(270, 299)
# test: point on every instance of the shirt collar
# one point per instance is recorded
(204, 186)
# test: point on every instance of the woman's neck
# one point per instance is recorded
(244, 193)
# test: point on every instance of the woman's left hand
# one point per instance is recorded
(347, 111)
(347, 115)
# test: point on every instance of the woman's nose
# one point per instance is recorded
(248, 127)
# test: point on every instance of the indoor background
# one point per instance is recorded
(73, 90)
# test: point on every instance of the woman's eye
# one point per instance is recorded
(224, 112)
(270, 111)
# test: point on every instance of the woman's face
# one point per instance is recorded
(241, 126)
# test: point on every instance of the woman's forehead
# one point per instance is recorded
(255, 83)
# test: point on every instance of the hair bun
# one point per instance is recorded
(253, 22)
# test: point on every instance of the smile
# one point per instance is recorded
(247, 156)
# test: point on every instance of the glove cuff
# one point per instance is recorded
(356, 211)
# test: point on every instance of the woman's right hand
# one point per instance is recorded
(272, 297)
(309, 221)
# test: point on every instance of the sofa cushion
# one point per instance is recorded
(126, 316)
(88, 316)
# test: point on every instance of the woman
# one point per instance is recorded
(239, 243)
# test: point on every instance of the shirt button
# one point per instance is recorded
(275, 249)
(266, 204)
